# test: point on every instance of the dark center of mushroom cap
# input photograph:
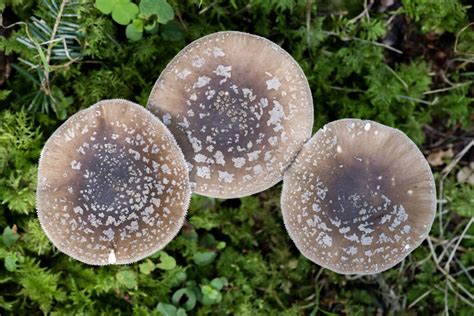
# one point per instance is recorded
(115, 179)
(232, 116)
(360, 190)
(359, 197)
(240, 108)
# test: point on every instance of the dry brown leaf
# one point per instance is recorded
(466, 175)
(436, 157)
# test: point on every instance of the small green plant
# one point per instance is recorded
(138, 19)
(20, 145)
(55, 42)
(437, 16)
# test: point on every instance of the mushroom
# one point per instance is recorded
(113, 185)
(359, 197)
(239, 106)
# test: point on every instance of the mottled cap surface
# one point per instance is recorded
(240, 108)
(113, 185)
(359, 197)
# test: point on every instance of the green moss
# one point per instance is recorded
(241, 240)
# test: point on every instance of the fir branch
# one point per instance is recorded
(45, 83)
(363, 41)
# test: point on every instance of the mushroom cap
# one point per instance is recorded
(113, 185)
(239, 106)
(359, 197)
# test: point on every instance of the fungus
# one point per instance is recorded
(359, 197)
(113, 185)
(240, 108)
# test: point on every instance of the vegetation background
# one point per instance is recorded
(405, 63)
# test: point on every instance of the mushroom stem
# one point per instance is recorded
(112, 258)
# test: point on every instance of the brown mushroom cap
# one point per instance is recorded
(359, 197)
(113, 185)
(240, 108)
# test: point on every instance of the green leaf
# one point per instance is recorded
(203, 258)
(60, 102)
(220, 245)
(177, 278)
(210, 295)
(208, 241)
(190, 298)
(124, 12)
(148, 7)
(10, 236)
(127, 278)
(147, 267)
(167, 262)
(161, 8)
(10, 263)
(25, 74)
(105, 6)
(166, 309)
(155, 255)
(219, 283)
(164, 12)
(170, 310)
(134, 30)
(151, 28)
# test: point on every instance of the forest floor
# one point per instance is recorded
(408, 64)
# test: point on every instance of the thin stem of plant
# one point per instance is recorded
(364, 41)
(444, 174)
(451, 256)
(405, 85)
(181, 21)
(456, 86)
(364, 13)
(419, 298)
(464, 270)
(446, 274)
(46, 71)
(446, 305)
(208, 7)
(448, 243)
(417, 100)
(455, 161)
(456, 42)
